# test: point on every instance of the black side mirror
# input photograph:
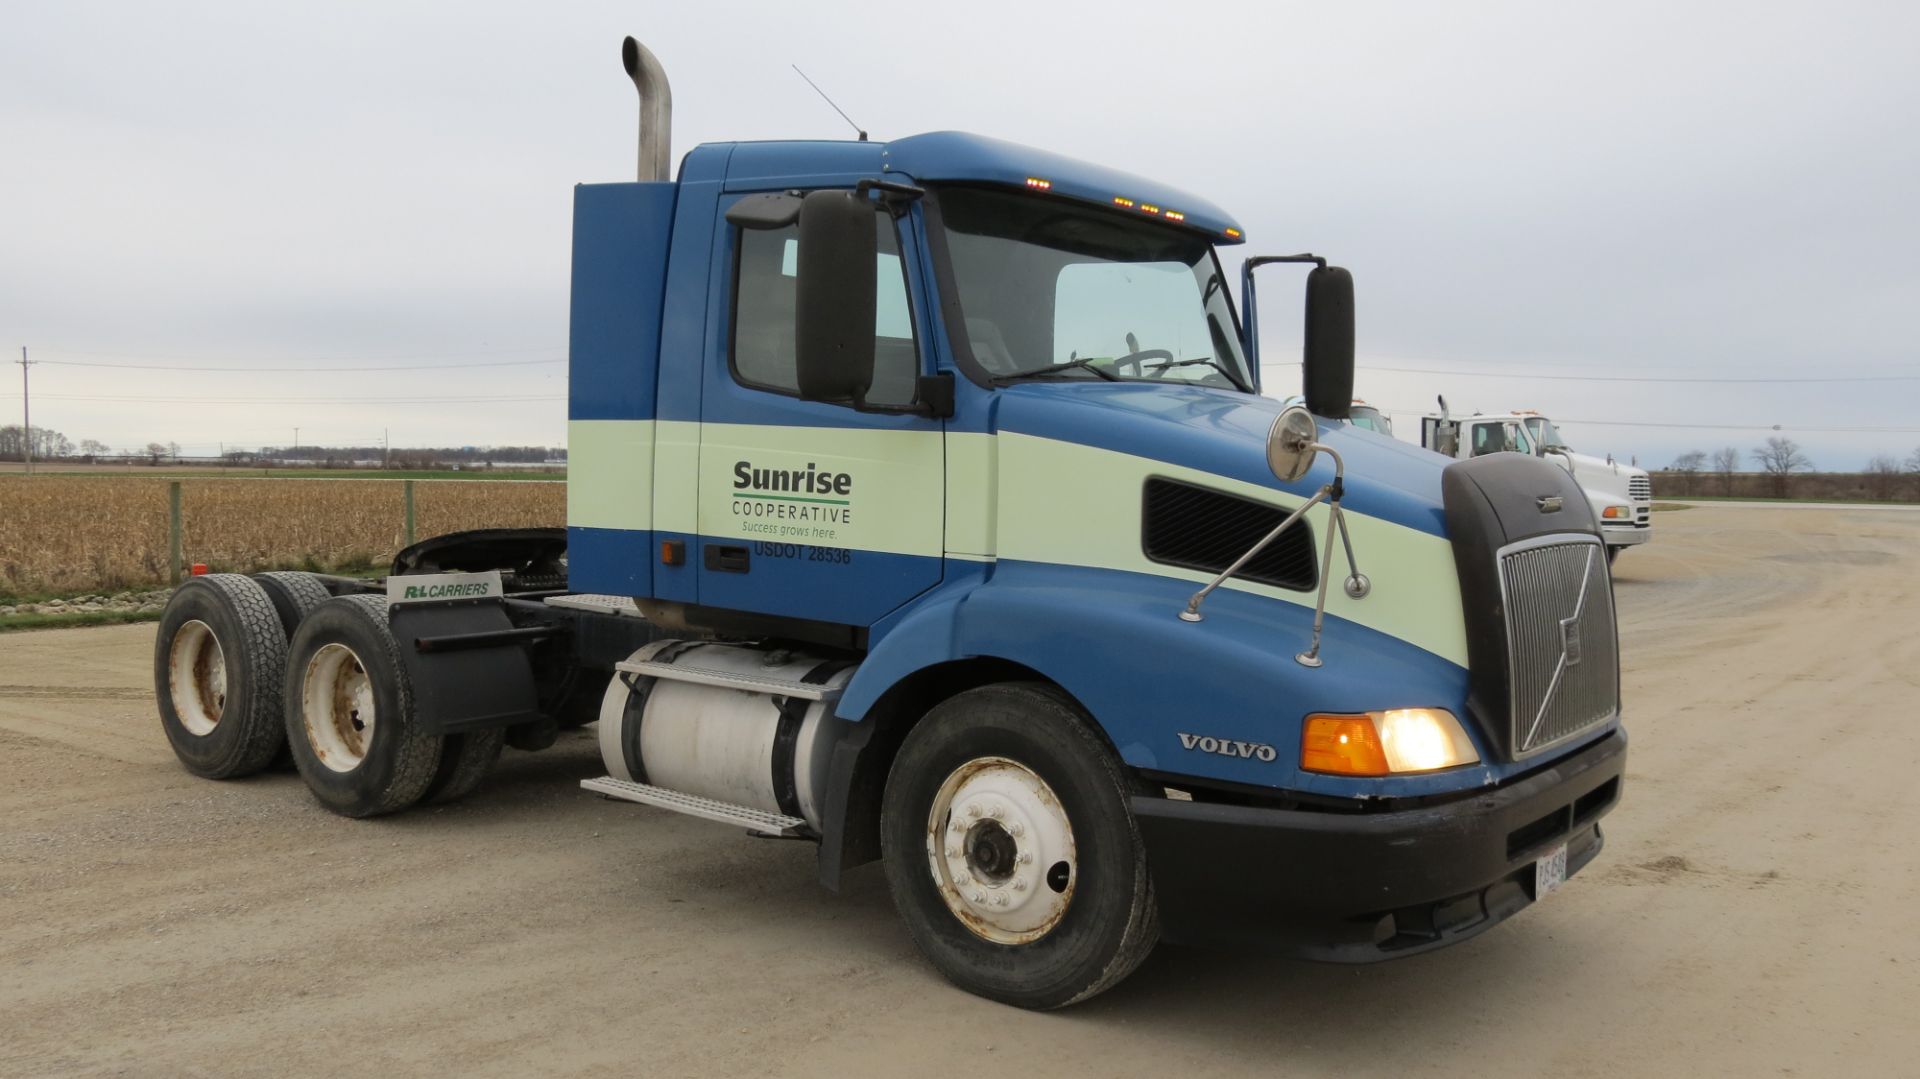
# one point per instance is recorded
(1328, 354)
(836, 267)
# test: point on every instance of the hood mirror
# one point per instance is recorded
(1291, 444)
(1291, 447)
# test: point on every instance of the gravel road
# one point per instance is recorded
(1755, 911)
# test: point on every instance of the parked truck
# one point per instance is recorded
(923, 504)
(1621, 496)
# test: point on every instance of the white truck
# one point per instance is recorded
(1621, 495)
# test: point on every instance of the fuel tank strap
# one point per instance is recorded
(786, 736)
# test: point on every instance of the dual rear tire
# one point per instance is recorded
(250, 669)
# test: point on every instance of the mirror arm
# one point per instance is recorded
(1330, 492)
(1249, 304)
(894, 196)
(1192, 611)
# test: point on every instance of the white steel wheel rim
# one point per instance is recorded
(1001, 851)
(197, 677)
(336, 705)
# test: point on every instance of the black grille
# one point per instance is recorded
(1206, 530)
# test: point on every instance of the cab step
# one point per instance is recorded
(588, 601)
(757, 821)
(687, 672)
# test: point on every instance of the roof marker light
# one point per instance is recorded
(1235, 233)
(1118, 201)
(1038, 184)
(1175, 215)
(1149, 208)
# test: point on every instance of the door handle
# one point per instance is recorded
(725, 559)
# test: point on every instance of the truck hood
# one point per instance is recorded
(1225, 433)
(1597, 477)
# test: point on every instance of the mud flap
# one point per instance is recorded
(468, 688)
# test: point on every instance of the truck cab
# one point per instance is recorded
(1621, 495)
(971, 423)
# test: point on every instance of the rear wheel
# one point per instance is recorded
(218, 662)
(1011, 852)
(465, 760)
(294, 595)
(350, 712)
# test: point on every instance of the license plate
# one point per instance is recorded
(1550, 873)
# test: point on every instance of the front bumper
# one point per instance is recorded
(1625, 535)
(1361, 887)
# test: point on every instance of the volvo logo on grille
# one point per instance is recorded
(1548, 503)
(1570, 638)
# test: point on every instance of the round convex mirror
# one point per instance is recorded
(1290, 444)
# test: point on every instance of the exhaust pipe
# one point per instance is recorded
(656, 110)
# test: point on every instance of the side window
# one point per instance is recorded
(763, 315)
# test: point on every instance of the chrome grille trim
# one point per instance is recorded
(1563, 652)
(1640, 488)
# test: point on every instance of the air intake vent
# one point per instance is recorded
(1196, 528)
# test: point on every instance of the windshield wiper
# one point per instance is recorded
(1209, 361)
(1085, 363)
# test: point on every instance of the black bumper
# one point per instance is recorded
(1361, 887)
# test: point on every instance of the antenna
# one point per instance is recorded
(829, 101)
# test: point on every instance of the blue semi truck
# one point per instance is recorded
(924, 504)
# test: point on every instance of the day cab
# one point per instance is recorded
(926, 448)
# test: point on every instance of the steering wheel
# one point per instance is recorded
(1139, 359)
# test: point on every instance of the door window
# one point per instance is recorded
(765, 287)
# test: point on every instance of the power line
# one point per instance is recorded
(306, 370)
(289, 400)
(1565, 422)
(1618, 378)
(409, 354)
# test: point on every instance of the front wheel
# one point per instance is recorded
(1011, 852)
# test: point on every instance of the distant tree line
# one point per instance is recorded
(50, 445)
(1785, 471)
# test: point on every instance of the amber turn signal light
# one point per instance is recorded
(1342, 745)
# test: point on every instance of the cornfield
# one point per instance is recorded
(62, 534)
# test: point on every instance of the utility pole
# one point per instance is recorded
(26, 412)
(386, 450)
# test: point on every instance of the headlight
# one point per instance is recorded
(1385, 743)
(1617, 513)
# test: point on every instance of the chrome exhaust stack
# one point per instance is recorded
(656, 110)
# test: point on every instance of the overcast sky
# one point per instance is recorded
(1631, 190)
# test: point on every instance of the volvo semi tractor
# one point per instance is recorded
(924, 505)
(1621, 496)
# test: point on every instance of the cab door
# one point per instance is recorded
(809, 509)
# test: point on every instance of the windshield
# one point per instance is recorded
(1370, 418)
(1048, 288)
(1545, 433)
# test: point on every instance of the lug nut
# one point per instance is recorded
(999, 900)
(979, 897)
(1019, 885)
(1025, 858)
(996, 812)
(973, 810)
(1016, 829)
